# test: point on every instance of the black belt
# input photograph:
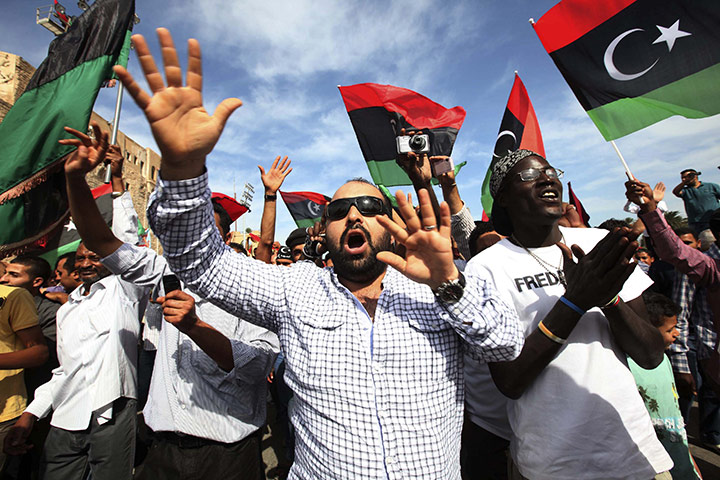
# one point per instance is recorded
(188, 441)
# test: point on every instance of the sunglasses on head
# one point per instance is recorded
(368, 206)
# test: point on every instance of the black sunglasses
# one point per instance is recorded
(368, 206)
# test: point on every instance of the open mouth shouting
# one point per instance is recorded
(550, 195)
(355, 241)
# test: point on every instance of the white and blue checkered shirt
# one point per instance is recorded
(380, 399)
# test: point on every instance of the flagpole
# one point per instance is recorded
(115, 125)
(628, 173)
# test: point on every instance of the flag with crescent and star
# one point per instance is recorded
(379, 112)
(306, 208)
(519, 128)
(632, 63)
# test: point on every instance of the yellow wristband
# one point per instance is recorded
(546, 331)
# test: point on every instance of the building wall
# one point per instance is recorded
(141, 164)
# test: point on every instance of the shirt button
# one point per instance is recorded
(182, 405)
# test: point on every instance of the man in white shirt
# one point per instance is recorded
(575, 411)
(208, 391)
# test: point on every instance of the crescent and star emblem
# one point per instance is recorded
(667, 35)
(497, 141)
(315, 209)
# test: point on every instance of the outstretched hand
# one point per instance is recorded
(274, 178)
(184, 131)
(90, 152)
(429, 256)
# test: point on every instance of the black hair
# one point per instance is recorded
(225, 219)
(658, 307)
(69, 266)
(690, 170)
(613, 223)
(481, 228)
(237, 247)
(680, 231)
(37, 267)
(501, 220)
(646, 250)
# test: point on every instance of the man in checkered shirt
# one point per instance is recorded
(374, 354)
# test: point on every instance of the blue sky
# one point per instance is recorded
(284, 59)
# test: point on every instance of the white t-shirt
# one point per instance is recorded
(582, 418)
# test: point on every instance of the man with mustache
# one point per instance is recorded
(374, 353)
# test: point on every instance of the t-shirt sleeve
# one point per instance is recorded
(21, 310)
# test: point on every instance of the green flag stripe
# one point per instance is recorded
(486, 198)
(389, 174)
(31, 128)
(695, 96)
(307, 222)
(53, 255)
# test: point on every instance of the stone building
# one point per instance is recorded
(141, 163)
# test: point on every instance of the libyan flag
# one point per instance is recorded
(632, 63)
(68, 239)
(306, 208)
(379, 112)
(62, 92)
(519, 129)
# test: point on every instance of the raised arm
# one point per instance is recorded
(179, 210)
(95, 233)
(702, 269)
(272, 180)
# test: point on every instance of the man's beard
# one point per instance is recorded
(359, 268)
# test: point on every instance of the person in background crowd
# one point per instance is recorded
(66, 276)
(644, 259)
(272, 181)
(92, 395)
(31, 273)
(21, 346)
(296, 243)
(284, 256)
(346, 401)
(700, 199)
(483, 236)
(238, 248)
(578, 329)
(657, 389)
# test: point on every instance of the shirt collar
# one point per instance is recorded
(77, 294)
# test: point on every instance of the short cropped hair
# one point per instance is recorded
(613, 223)
(680, 231)
(37, 267)
(658, 307)
(69, 266)
(481, 228)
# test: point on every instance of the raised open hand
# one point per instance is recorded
(90, 152)
(183, 129)
(274, 178)
(659, 192)
(429, 256)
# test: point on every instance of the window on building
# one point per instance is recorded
(142, 167)
(152, 173)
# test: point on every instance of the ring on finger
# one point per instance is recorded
(429, 228)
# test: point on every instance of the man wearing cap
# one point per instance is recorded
(295, 242)
(575, 411)
(373, 345)
(700, 199)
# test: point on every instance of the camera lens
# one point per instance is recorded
(417, 142)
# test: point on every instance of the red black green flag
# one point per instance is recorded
(632, 63)
(379, 112)
(33, 202)
(575, 202)
(306, 208)
(68, 239)
(519, 129)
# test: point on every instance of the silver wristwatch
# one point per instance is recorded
(452, 291)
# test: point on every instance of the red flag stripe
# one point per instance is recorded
(418, 110)
(520, 106)
(234, 208)
(294, 197)
(103, 189)
(571, 19)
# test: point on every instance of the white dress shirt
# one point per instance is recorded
(97, 337)
(380, 399)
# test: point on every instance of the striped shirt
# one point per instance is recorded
(380, 399)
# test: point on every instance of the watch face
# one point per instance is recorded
(452, 293)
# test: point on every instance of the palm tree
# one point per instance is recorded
(675, 219)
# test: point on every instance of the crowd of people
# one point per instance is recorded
(396, 341)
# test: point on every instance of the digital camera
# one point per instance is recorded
(419, 143)
(442, 165)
